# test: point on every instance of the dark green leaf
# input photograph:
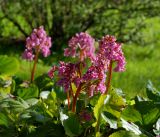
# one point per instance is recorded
(72, 126)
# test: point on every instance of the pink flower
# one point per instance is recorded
(38, 41)
(68, 74)
(112, 51)
(95, 77)
(27, 54)
(81, 46)
(51, 72)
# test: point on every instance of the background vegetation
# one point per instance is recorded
(135, 23)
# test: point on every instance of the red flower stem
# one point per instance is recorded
(68, 98)
(34, 66)
(75, 98)
(71, 91)
(109, 77)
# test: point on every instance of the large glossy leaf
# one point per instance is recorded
(129, 126)
(111, 119)
(99, 106)
(131, 114)
(72, 126)
(123, 133)
(98, 109)
(150, 112)
(144, 114)
(8, 65)
(116, 103)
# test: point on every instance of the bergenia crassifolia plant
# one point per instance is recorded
(38, 42)
(90, 79)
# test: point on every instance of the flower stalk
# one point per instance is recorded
(34, 66)
(109, 77)
(75, 97)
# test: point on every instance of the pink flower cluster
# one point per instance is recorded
(38, 41)
(67, 73)
(82, 46)
(112, 51)
(94, 77)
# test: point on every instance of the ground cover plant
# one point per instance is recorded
(75, 97)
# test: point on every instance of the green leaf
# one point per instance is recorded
(144, 114)
(130, 127)
(32, 101)
(18, 105)
(111, 119)
(72, 126)
(3, 120)
(157, 127)
(8, 65)
(28, 92)
(152, 92)
(123, 133)
(136, 115)
(103, 99)
(44, 82)
(51, 103)
(116, 103)
(150, 112)
(5, 85)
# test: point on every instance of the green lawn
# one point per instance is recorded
(143, 64)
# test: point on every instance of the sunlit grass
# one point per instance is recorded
(25, 69)
(142, 65)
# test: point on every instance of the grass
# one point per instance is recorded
(142, 65)
(25, 69)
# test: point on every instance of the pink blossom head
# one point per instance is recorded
(96, 77)
(27, 54)
(51, 71)
(81, 46)
(38, 41)
(112, 51)
(67, 73)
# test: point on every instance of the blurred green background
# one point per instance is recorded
(136, 23)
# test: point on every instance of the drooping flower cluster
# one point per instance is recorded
(111, 51)
(68, 74)
(94, 78)
(37, 42)
(81, 46)
(51, 72)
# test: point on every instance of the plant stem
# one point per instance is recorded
(98, 123)
(34, 66)
(109, 77)
(75, 98)
(68, 98)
